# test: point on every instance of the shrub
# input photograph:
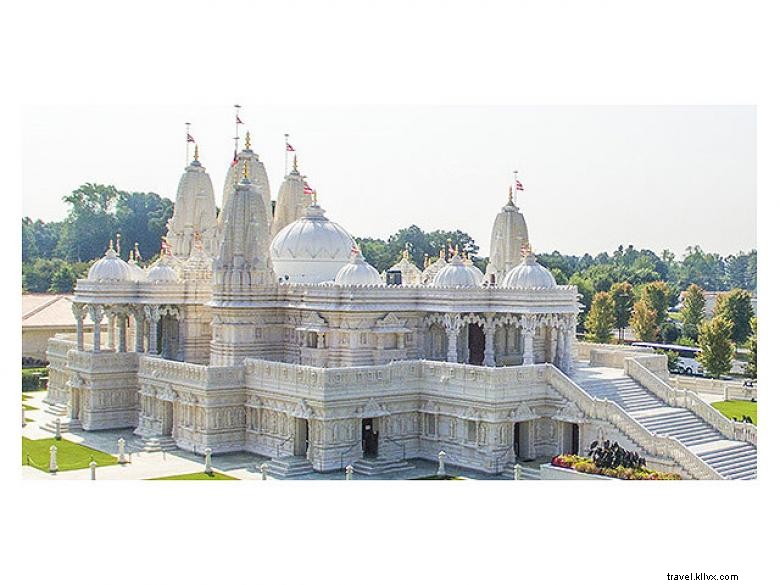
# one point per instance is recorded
(31, 381)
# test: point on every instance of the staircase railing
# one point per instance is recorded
(399, 444)
(655, 445)
(691, 401)
(284, 442)
(346, 452)
(500, 458)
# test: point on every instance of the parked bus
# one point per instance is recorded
(687, 363)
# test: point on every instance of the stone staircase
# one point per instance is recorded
(57, 409)
(380, 466)
(526, 472)
(290, 466)
(154, 444)
(731, 459)
(66, 426)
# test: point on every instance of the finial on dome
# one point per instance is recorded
(246, 167)
(441, 252)
(118, 245)
(111, 245)
(137, 253)
(511, 199)
(295, 163)
(314, 197)
(248, 142)
(196, 153)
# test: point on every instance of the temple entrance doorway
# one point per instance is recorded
(521, 441)
(301, 445)
(166, 418)
(571, 438)
(476, 344)
(370, 438)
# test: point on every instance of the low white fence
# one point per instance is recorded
(730, 390)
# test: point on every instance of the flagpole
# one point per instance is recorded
(286, 142)
(187, 141)
(235, 139)
(514, 186)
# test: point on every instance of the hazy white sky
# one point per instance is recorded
(595, 177)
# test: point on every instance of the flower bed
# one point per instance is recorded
(586, 465)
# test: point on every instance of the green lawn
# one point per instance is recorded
(69, 455)
(737, 408)
(28, 407)
(202, 475)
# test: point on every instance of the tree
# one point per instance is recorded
(586, 290)
(601, 318)
(29, 245)
(644, 321)
(717, 350)
(142, 218)
(90, 223)
(736, 306)
(669, 333)
(752, 366)
(656, 295)
(63, 279)
(376, 253)
(622, 294)
(693, 306)
(672, 359)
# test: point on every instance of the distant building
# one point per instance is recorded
(44, 316)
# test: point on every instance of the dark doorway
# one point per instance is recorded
(301, 445)
(370, 438)
(516, 441)
(476, 344)
(575, 439)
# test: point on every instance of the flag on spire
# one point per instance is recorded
(238, 120)
(518, 185)
(190, 138)
(307, 190)
(235, 158)
(290, 147)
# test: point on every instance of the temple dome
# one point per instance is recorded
(311, 249)
(357, 272)
(162, 270)
(137, 273)
(110, 268)
(469, 263)
(529, 274)
(456, 274)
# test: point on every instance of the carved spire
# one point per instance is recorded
(196, 153)
(295, 163)
(248, 142)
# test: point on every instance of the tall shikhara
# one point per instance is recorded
(243, 260)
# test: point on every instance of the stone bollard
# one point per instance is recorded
(120, 445)
(53, 459)
(264, 471)
(440, 472)
(92, 468)
(518, 472)
(207, 451)
(725, 393)
(24, 420)
(57, 428)
(350, 470)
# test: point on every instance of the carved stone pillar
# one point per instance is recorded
(490, 330)
(153, 316)
(96, 314)
(122, 345)
(553, 344)
(561, 346)
(138, 316)
(452, 344)
(531, 439)
(528, 325)
(568, 357)
(111, 329)
(79, 310)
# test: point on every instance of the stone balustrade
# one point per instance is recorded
(191, 375)
(674, 397)
(730, 390)
(652, 444)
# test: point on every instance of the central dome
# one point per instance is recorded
(529, 274)
(311, 249)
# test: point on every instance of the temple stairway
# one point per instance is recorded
(731, 459)
(380, 466)
(289, 466)
(526, 471)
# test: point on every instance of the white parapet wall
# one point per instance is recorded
(729, 390)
